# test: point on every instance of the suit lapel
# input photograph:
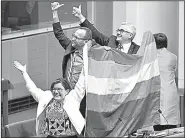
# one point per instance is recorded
(133, 48)
(130, 51)
(69, 50)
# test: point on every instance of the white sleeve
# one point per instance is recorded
(32, 88)
(79, 91)
(72, 104)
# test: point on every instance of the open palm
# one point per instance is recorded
(19, 66)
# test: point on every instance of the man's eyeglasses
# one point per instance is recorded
(59, 89)
(76, 37)
(121, 31)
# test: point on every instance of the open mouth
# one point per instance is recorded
(58, 97)
(118, 35)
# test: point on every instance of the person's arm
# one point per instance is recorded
(97, 35)
(72, 104)
(57, 29)
(30, 85)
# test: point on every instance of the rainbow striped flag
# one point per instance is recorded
(123, 91)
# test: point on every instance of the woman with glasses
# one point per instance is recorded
(52, 120)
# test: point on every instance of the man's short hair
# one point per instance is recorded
(130, 28)
(88, 34)
(161, 40)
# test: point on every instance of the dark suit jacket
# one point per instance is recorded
(105, 40)
(65, 43)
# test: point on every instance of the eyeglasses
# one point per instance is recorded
(76, 37)
(58, 89)
(121, 31)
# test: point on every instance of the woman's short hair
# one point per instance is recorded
(64, 83)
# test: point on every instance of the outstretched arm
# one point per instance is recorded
(30, 85)
(58, 31)
(97, 35)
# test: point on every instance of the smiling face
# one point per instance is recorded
(59, 91)
(123, 34)
(78, 39)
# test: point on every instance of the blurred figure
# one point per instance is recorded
(170, 100)
(122, 41)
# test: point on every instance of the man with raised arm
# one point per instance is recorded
(122, 41)
(73, 56)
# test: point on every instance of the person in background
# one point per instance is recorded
(52, 120)
(170, 100)
(73, 57)
(122, 41)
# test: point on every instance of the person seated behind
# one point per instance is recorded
(170, 102)
(52, 120)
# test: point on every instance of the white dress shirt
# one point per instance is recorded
(126, 47)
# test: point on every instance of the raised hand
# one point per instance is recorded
(55, 5)
(77, 11)
(19, 66)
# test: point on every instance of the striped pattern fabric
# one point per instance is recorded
(123, 91)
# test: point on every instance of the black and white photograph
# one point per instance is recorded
(76, 68)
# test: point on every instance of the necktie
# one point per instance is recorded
(120, 47)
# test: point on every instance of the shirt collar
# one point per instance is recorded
(125, 47)
(79, 52)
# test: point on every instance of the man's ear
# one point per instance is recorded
(131, 35)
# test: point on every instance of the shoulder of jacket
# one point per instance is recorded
(133, 43)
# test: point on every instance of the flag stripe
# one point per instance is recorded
(129, 112)
(108, 103)
(124, 85)
(110, 69)
(100, 54)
